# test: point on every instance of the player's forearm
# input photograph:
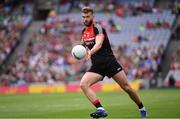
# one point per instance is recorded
(98, 45)
(95, 48)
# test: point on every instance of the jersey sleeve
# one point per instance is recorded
(98, 29)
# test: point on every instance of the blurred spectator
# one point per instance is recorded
(113, 26)
(149, 25)
(165, 24)
(172, 81)
(120, 11)
(140, 39)
(27, 7)
(158, 23)
(64, 6)
(176, 31)
(175, 62)
(178, 6)
(8, 6)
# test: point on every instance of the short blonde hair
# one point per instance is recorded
(87, 9)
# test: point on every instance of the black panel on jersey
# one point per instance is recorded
(104, 53)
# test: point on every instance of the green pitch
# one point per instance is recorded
(160, 103)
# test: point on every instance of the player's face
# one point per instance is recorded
(87, 18)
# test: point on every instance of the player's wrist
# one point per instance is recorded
(89, 52)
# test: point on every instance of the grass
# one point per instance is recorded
(160, 103)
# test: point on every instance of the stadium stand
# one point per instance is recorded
(12, 27)
(172, 78)
(13, 24)
(138, 39)
(11, 30)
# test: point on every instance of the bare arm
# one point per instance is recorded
(99, 41)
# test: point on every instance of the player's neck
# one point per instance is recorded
(90, 26)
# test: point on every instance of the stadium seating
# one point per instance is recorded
(11, 30)
(48, 59)
(130, 26)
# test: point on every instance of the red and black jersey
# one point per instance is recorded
(104, 53)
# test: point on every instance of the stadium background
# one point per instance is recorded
(35, 55)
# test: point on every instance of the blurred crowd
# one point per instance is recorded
(159, 24)
(121, 7)
(47, 59)
(11, 28)
(48, 56)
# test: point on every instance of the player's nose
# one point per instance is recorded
(85, 19)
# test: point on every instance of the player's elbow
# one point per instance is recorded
(99, 46)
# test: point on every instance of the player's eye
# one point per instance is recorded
(85, 16)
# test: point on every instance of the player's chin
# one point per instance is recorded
(87, 24)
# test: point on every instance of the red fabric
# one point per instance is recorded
(88, 34)
(95, 101)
